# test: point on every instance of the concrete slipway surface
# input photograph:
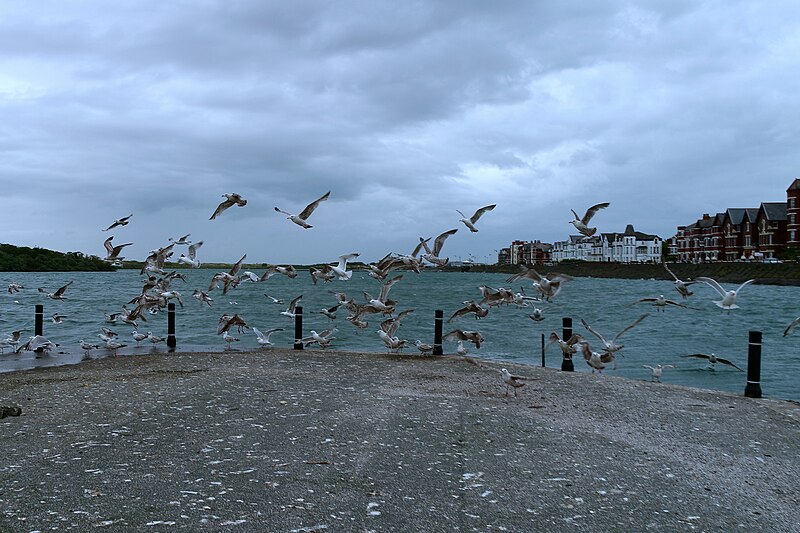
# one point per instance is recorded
(313, 441)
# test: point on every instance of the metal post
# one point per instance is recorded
(542, 350)
(566, 333)
(298, 327)
(438, 321)
(753, 387)
(171, 340)
(38, 324)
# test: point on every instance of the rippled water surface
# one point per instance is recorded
(606, 304)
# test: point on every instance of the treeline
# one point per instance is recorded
(24, 259)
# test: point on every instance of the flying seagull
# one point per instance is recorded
(192, 259)
(263, 338)
(657, 371)
(59, 294)
(119, 222)
(433, 256)
(681, 286)
(230, 200)
(660, 302)
(114, 251)
(300, 219)
(713, 359)
(728, 301)
(471, 221)
(612, 346)
(581, 224)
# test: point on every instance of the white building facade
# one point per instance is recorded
(631, 246)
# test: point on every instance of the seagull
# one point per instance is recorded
(713, 360)
(581, 224)
(681, 286)
(288, 271)
(433, 256)
(138, 337)
(13, 338)
(537, 315)
(57, 318)
(14, 287)
(470, 307)
(114, 251)
(155, 339)
(392, 343)
(330, 312)
(226, 322)
(274, 300)
(341, 268)
(230, 199)
(300, 219)
(471, 221)
(59, 294)
(660, 303)
(324, 273)
(391, 325)
(88, 347)
(290, 311)
(180, 240)
(568, 347)
(119, 222)
(36, 343)
(597, 361)
(252, 276)
(114, 345)
(612, 346)
(791, 326)
(228, 338)
(728, 297)
(201, 297)
(472, 336)
(263, 338)
(424, 348)
(106, 334)
(460, 348)
(191, 260)
(512, 380)
(549, 286)
(657, 371)
(323, 339)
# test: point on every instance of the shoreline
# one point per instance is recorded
(286, 440)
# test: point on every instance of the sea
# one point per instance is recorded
(607, 305)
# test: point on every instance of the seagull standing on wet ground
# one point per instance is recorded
(300, 219)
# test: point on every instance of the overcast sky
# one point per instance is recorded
(405, 111)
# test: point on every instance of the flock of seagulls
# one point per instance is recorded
(157, 291)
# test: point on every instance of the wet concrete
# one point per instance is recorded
(313, 441)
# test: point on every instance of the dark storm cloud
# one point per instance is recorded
(406, 111)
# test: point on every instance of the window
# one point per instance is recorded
(791, 203)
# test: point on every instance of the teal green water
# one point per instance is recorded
(606, 304)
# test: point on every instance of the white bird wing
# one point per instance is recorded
(193, 249)
(713, 284)
(313, 205)
(237, 266)
(671, 273)
(618, 335)
(387, 286)
(791, 326)
(258, 333)
(223, 205)
(593, 332)
(109, 247)
(592, 210)
(749, 281)
(480, 212)
(293, 304)
(439, 241)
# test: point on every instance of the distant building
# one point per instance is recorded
(742, 234)
(525, 253)
(629, 246)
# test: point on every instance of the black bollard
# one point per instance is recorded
(38, 324)
(566, 333)
(298, 327)
(438, 321)
(542, 350)
(753, 387)
(171, 340)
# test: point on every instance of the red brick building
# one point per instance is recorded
(752, 233)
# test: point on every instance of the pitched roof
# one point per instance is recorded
(736, 214)
(774, 210)
(795, 184)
